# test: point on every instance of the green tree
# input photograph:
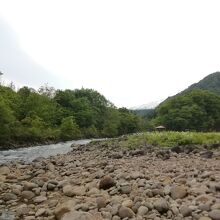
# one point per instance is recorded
(129, 123)
(111, 123)
(69, 129)
(196, 110)
(6, 119)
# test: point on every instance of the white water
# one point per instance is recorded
(31, 153)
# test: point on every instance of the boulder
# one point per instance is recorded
(68, 190)
(215, 214)
(9, 196)
(62, 209)
(142, 210)
(27, 195)
(40, 212)
(127, 203)
(161, 205)
(125, 212)
(185, 211)
(106, 182)
(101, 202)
(178, 192)
(40, 199)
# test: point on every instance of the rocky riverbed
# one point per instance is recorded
(96, 183)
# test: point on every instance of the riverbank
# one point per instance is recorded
(160, 139)
(15, 146)
(100, 181)
(28, 154)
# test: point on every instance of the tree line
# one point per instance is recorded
(196, 110)
(30, 116)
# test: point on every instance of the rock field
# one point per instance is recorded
(95, 183)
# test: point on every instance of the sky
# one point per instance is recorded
(132, 52)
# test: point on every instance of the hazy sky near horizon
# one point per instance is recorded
(133, 52)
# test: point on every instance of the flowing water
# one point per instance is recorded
(31, 153)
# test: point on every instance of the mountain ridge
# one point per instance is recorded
(210, 83)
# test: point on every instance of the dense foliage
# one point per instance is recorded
(29, 116)
(197, 110)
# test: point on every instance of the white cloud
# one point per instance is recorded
(133, 52)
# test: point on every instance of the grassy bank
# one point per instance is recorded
(166, 139)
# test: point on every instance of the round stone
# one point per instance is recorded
(101, 202)
(106, 182)
(142, 210)
(178, 192)
(215, 214)
(125, 212)
(161, 205)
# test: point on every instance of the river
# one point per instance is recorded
(30, 153)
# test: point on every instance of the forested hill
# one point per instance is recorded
(210, 83)
(29, 116)
(196, 108)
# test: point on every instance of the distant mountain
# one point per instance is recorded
(146, 110)
(149, 113)
(150, 105)
(210, 83)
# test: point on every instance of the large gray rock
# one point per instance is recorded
(40, 212)
(79, 190)
(215, 214)
(22, 210)
(142, 210)
(125, 212)
(101, 202)
(125, 189)
(27, 195)
(40, 199)
(185, 211)
(9, 196)
(127, 203)
(68, 190)
(178, 192)
(62, 209)
(161, 205)
(30, 185)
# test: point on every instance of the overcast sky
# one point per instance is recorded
(133, 52)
